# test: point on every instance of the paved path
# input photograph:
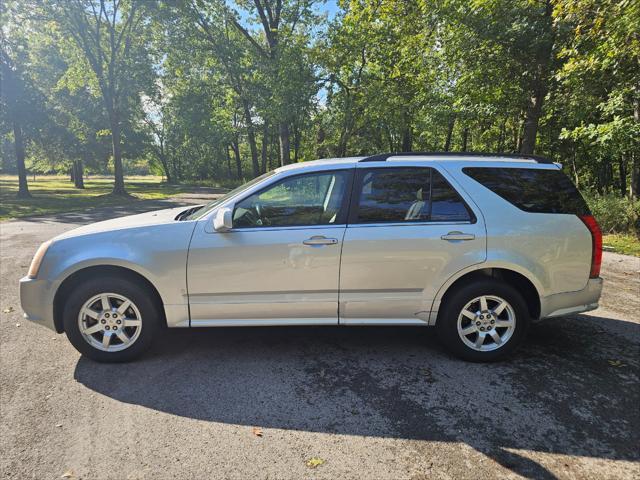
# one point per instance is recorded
(371, 403)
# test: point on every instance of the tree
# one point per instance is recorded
(278, 21)
(233, 58)
(600, 82)
(15, 97)
(107, 33)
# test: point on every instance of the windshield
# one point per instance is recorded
(210, 206)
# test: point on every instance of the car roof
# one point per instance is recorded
(467, 158)
(319, 163)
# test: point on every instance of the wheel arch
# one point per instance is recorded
(523, 281)
(78, 276)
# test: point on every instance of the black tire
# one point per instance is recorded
(139, 295)
(447, 323)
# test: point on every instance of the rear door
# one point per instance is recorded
(409, 231)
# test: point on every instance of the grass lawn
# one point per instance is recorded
(56, 194)
(622, 243)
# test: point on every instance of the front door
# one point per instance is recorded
(280, 262)
(409, 231)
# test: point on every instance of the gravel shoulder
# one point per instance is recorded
(374, 403)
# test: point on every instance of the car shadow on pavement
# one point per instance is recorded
(572, 389)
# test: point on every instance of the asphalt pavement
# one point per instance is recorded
(318, 402)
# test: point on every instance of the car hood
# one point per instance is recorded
(157, 217)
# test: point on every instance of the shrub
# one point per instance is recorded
(615, 214)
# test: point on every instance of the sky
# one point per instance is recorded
(331, 7)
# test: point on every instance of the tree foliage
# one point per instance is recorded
(227, 89)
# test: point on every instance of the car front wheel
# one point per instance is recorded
(110, 319)
(483, 321)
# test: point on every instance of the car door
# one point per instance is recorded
(279, 264)
(409, 231)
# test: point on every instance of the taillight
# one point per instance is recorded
(596, 244)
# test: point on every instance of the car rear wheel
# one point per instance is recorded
(110, 319)
(483, 321)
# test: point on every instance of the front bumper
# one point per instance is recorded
(568, 303)
(36, 301)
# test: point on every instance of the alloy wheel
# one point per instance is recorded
(486, 323)
(110, 322)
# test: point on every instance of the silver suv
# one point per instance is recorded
(475, 245)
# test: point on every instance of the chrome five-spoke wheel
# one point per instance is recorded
(486, 323)
(110, 322)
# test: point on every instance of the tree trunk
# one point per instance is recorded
(622, 171)
(342, 145)
(265, 146)
(118, 173)
(251, 136)
(635, 157)
(575, 168)
(539, 86)
(407, 133)
(447, 142)
(23, 188)
(517, 137)
(635, 176)
(78, 174)
(389, 138)
(465, 138)
(296, 144)
(285, 148)
(236, 152)
(228, 162)
(172, 163)
(503, 135)
(165, 166)
(532, 118)
(610, 174)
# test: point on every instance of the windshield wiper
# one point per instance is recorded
(189, 211)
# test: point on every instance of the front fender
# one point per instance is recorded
(156, 252)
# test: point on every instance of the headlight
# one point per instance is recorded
(37, 259)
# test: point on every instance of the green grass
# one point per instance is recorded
(56, 194)
(623, 243)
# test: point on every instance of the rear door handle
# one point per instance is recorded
(458, 236)
(320, 240)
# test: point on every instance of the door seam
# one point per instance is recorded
(344, 234)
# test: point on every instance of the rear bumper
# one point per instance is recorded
(567, 303)
(36, 301)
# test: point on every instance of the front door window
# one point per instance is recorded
(302, 200)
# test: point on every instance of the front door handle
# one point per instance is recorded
(320, 240)
(458, 236)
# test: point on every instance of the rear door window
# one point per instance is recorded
(411, 194)
(531, 189)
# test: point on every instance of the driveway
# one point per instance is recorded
(325, 402)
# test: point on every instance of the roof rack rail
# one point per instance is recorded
(382, 157)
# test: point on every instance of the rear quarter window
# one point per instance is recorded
(531, 189)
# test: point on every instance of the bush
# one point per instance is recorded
(615, 214)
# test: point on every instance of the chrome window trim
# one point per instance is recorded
(406, 224)
(290, 227)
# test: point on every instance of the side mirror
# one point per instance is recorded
(223, 221)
